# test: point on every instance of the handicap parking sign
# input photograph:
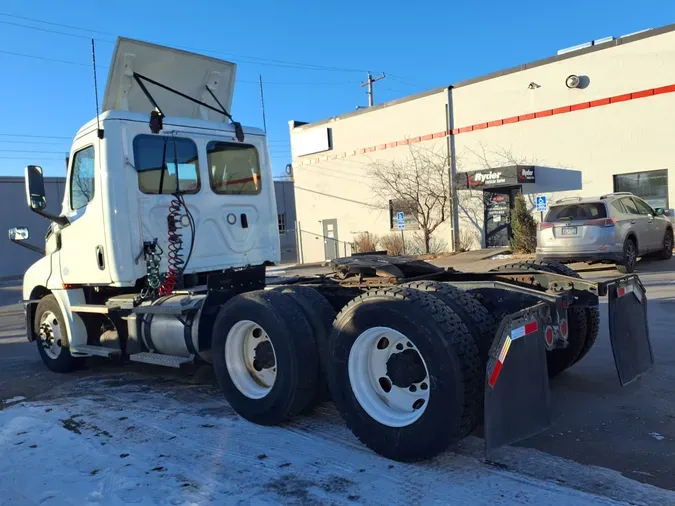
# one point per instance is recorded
(542, 203)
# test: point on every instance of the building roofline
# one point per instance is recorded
(499, 73)
(302, 125)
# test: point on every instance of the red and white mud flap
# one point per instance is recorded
(517, 396)
(629, 328)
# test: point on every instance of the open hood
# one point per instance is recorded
(188, 73)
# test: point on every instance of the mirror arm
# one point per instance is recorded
(29, 246)
(59, 220)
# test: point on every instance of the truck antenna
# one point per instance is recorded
(93, 59)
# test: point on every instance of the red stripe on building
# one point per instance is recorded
(515, 119)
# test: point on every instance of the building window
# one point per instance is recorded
(651, 186)
(82, 181)
(234, 169)
(281, 218)
(166, 164)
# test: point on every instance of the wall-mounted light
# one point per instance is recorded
(533, 86)
(572, 81)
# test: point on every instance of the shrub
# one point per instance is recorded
(393, 243)
(524, 227)
(467, 240)
(366, 242)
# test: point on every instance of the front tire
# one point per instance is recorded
(52, 337)
(265, 356)
(405, 373)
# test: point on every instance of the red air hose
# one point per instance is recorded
(175, 256)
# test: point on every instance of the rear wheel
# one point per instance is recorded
(475, 316)
(667, 251)
(52, 337)
(560, 359)
(320, 315)
(405, 373)
(627, 264)
(264, 356)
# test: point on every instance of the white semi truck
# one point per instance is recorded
(159, 253)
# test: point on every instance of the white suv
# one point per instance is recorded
(615, 228)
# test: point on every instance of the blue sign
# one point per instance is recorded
(400, 217)
(401, 226)
(542, 203)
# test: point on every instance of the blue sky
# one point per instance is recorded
(419, 45)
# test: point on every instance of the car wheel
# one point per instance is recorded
(667, 251)
(627, 264)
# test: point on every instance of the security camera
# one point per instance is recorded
(572, 81)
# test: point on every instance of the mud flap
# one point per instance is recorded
(517, 396)
(628, 329)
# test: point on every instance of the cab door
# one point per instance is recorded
(83, 255)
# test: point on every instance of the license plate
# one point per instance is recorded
(569, 231)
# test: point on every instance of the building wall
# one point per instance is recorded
(578, 139)
(14, 212)
(616, 122)
(338, 183)
(285, 195)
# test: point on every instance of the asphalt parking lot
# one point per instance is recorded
(596, 422)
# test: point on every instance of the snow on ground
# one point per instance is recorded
(120, 440)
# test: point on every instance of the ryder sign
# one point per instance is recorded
(503, 176)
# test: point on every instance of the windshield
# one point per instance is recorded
(576, 212)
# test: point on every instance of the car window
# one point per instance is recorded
(577, 211)
(166, 164)
(629, 205)
(82, 182)
(642, 207)
(618, 206)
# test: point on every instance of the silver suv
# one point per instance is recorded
(615, 228)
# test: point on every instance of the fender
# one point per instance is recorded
(77, 332)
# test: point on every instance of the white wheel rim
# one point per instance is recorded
(50, 335)
(401, 405)
(246, 340)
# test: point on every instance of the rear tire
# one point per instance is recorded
(474, 315)
(52, 337)
(320, 315)
(265, 316)
(560, 359)
(629, 259)
(453, 385)
(667, 251)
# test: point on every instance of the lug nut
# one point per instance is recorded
(399, 346)
(413, 388)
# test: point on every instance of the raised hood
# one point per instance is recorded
(188, 73)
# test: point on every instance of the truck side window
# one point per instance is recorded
(82, 182)
(166, 164)
(234, 169)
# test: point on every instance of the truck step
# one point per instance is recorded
(159, 359)
(92, 308)
(99, 351)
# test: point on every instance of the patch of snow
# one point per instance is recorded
(123, 443)
(657, 436)
(13, 400)
(501, 257)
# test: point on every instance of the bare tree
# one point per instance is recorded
(420, 180)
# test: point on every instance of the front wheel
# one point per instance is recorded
(629, 259)
(667, 251)
(52, 337)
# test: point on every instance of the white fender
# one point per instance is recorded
(77, 332)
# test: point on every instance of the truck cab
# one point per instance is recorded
(163, 173)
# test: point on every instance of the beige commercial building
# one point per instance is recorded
(593, 119)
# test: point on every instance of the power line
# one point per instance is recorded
(260, 61)
(55, 24)
(36, 136)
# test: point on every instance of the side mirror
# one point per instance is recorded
(37, 197)
(660, 211)
(18, 234)
(35, 188)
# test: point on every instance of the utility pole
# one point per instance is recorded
(369, 83)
